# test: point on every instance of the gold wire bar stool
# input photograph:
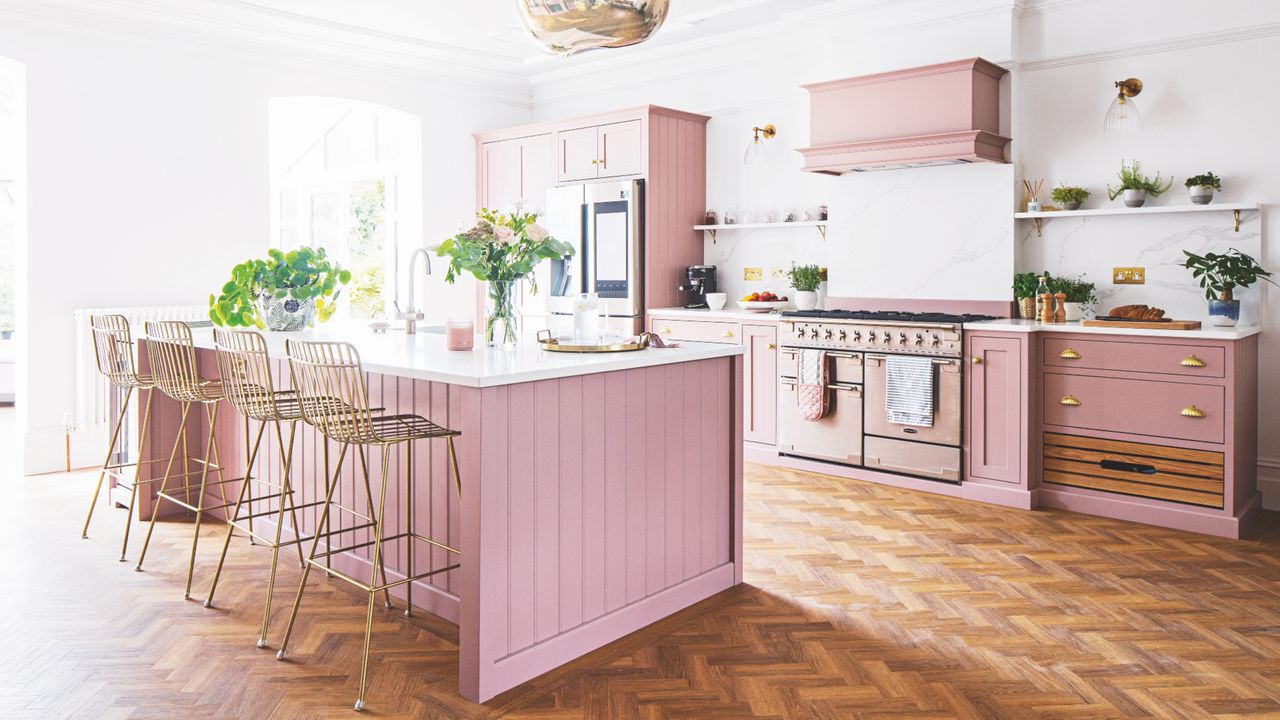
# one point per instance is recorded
(177, 374)
(245, 370)
(331, 388)
(113, 351)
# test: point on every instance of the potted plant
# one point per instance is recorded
(501, 250)
(1024, 292)
(1220, 275)
(1135, 186)
(1080, 295)
(1069, 197)
(287, 291)
(1201, 187)
(805, 279)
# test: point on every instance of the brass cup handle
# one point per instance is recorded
(1069, 354)
(1069, 401)
(1192, 361)
(666, 330)
(977, 361)
(1191, 411)
(727, 333)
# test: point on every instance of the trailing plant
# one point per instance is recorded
(1132, 178)
(1221, 274)
(805, 278)
(1065, 194)
(303, 274)
(1025, 284)
(1077, 290)
(1206, 180)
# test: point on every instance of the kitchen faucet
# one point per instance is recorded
(412, 315)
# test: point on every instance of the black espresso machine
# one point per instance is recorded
(699, 280)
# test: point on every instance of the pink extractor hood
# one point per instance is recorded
(943, 114)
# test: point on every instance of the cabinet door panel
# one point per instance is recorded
(997, 408)
(621, 149)
(501, 182)
(537, 171)
(577, 154)
(761, 376)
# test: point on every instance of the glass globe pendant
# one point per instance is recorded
(1122, 114)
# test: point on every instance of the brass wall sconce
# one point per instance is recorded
(1122, 115)
(755, 150)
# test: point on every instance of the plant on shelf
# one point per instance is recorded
(1069, 197)
(805, 279)
(1135, 186)
(500, 250)
(1024, 292)
(1201, 187)
(1219, 275)
(1078, 295)
(287, 291)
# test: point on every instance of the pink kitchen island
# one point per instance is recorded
(600, 493)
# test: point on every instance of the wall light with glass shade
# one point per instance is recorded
(756, 149)
(1123, 115)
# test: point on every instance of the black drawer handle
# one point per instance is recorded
(1128, 467)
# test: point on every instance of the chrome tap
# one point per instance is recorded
(412, 315)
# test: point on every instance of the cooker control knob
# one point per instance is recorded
(885, 336)
(843, 336)
(935, 341)
(828, 334)
(857, 335)
(871, 337)
(902, 338)
(919, 339)
(813, 333)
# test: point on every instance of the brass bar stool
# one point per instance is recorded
(113, 351)
(177, 374)
(330, 384)
(245, 369)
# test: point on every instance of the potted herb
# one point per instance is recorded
(1069, 197)
(1024, 292)
(805, 279)
(1220, 275)
(287, 291)
(1201, 187)
(1135, 186)
(1078, 295)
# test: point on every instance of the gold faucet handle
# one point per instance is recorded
(1069, 401)
(1192, 361)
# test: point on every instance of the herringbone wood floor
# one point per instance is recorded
(863, 602)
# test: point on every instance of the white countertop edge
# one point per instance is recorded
(1016, 325)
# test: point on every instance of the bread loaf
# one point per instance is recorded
(1137, 312)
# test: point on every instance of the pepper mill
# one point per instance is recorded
(1060, 305)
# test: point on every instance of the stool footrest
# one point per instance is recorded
(193, 508)
(271, 541)
(379, 588)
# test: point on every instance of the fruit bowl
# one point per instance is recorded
(762, 305)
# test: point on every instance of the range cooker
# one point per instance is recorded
(856, 429)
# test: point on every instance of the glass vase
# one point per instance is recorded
(500, 313)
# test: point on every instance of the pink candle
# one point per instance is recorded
(460, 334)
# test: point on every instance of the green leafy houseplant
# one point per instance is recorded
(1208, 180)
(1025, 284)
(1132, 178)
(1069, 196)
(805, 278)
(1221, 274)
(304, 275)
(1077, 290)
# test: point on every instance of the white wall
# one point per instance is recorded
(148, 180)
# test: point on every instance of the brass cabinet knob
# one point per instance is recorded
(1069, 401)
(977, 360)
(666, 330)
(772, 346)
(727, 333)
(1192, 361)
(1191, 411)
(1069, 354)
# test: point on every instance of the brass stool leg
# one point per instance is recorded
(210, 450)
(179, 441)
(408, 529)
(373, 574)
(247, 482)
(288, 469)
(252, 452)
(137, 474)
(328, 561)
(322, 527)
(286, 496)
(368, 489)
(102, 474)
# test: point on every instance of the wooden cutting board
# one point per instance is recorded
(1144, 324)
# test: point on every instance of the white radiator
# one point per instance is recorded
(97, 401)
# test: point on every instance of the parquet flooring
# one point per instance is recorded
(862, 602)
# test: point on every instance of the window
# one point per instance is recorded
(347, 176)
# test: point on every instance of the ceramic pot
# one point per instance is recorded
(806, 300)
(1201, 194)
(1135, 198)
(286, 314)
(1073, 205)
(1074, 311)
(1224, 313)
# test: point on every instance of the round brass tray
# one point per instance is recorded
(554, 345)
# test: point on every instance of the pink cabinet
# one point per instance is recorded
(997, 418)
(577, 154)
(518, 170)
(621, 149)
(760, 394)
(600, 151)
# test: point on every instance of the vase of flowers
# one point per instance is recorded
(501, 249)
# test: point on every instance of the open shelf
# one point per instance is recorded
(1234, 208)
(821, 225)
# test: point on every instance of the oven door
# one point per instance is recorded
(946, 404)
(836, 437)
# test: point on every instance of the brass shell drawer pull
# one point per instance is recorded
(727, 333)
(1191, 411)
(1192, 361)
(1069, 354)
(1070, 401)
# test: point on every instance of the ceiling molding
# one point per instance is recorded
(1183, 42)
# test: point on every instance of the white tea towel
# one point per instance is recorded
(908, 397)
(811, 381)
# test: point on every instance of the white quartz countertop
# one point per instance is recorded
(728, 313)
(424, 356)
(1207, 332)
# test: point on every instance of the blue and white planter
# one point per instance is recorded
(1224, 313)
(286, 314)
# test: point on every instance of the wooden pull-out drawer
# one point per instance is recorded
(697, 330)
(1136, 407)
(1190, 360)
(1138, 469)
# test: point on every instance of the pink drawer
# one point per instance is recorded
(1137, 407)
(846, 367)
(1190, 360)
(697, 330)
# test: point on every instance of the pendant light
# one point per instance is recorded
(755, 150)
(1123, 115)
(568, 27)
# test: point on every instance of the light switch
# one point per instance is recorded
(1129, 276)
(752, 273)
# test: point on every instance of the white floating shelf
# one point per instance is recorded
(1233, 208)
(821, 225)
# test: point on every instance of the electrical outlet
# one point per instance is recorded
(778, 274)
(752, 274)
(1129, 276)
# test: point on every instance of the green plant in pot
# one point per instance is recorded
(1136, 186)
(1070, 197)
(1081, 295)
(1201, 187)
(287, 291)
(805, 279)
(1220, 275)
(1024, 292)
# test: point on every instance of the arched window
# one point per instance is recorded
(347, 176)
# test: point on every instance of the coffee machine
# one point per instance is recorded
(699, 280)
